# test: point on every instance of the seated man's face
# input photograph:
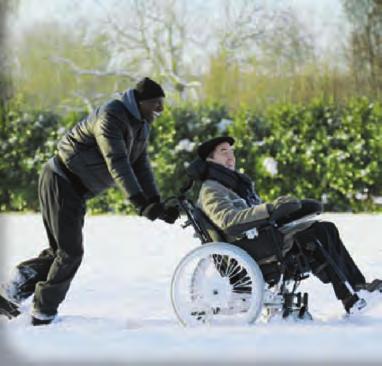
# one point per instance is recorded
(224, 155)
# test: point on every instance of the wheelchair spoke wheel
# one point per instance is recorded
(217, 284)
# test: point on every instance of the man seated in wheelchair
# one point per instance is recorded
(273, 233)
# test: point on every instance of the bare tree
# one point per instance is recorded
(243, 23)
(365, 48)
(277, 37)
(5, 81)
(145, 37)
(288, 44)
(174, 40)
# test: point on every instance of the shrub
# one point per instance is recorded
(321, 150)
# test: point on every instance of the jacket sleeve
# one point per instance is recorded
(108, 132)
(220, 208)
(145, 176)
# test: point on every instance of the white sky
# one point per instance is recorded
(324, 18)
(316, 12)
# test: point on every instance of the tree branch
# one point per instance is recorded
(79, 71)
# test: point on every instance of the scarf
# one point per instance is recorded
(239, 183)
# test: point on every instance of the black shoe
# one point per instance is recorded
(37, 321)
(8, 308)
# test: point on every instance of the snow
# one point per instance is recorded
(270, 165)
(185, 145)
(118, 308)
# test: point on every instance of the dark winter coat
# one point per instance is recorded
(229, 200)
(109, 148)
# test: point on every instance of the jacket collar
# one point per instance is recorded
(129, 101)
(240, 183)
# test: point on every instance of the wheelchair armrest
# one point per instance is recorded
(240, 229)
(296, 225)
(309, 208)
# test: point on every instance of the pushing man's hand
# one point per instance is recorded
(153, 210)
(170, 214)
(139, 201)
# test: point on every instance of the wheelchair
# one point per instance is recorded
(220, 284)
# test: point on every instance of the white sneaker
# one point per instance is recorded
(353, 303)
(373, 299)
(357, 307)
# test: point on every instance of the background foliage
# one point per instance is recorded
(304, 103)
(320, 150)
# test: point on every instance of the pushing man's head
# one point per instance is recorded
(149, 96)
(219, 150)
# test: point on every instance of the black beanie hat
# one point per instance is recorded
(207, 147)
(148, 89)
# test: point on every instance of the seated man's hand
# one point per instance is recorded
(283, 206)
(170, 214)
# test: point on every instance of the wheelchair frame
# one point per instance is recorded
(279, 297)
(285, 298)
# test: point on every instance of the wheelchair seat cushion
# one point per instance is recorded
(267, 247)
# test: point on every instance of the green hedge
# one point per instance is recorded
(27, 139)
(323, 151)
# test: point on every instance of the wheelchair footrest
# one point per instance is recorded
(295, 303)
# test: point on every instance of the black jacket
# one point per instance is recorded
(109, 148)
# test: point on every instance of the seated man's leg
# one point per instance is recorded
(327, 234)
(332, 242)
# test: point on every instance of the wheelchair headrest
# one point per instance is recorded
(197, 170)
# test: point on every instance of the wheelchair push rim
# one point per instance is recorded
(217, 284)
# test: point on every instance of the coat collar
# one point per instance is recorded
(129, 101)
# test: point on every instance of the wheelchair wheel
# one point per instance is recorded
(217, 284)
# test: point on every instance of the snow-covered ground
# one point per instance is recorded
(119, 310)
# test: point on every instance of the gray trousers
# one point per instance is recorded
(63, 211)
